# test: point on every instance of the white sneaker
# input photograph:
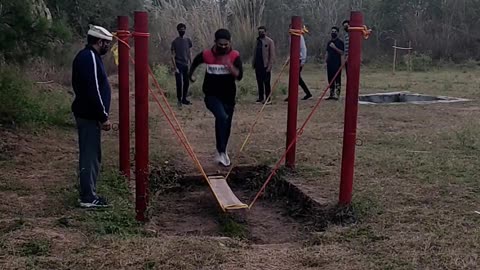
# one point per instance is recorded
(227, 158)
(218, 158)
(224, 159)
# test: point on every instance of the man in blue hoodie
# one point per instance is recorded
(91, 110)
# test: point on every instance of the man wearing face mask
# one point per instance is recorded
(333, 58)
(263, 58)
(181, 58)
(91, 110)
(224, 68)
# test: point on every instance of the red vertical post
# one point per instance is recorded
(293, 91)
(141, 112)
(351, 110)
(124, 95)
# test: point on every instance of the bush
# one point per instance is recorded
(421, 62)
(22, 104)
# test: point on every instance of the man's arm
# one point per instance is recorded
(196, 62)
(303, 51)
(174, 64)
(190, 49)
(338, 50)
(272, 56)
(237, 69)
(89, 74)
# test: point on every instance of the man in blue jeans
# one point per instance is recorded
(90, 108)
(181, 58)
(224, 68)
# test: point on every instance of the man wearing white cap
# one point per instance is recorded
(91, 107)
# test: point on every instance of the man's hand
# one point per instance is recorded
(177, 71)
(332, 45)
(192, 78)
(107, 125)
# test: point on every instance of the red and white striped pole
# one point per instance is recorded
(351, 110)
(141, 112)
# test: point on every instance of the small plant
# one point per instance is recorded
(232, 228)
(421, 62)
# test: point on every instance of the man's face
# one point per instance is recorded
(334, 33)
(346, 26)
(222, 45)
(104, 46)
(261, 33)
(182, 31)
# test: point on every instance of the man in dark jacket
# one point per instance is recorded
(91, 107)
(224, 67)
(181, 58)
(263, 59)
(333, 58)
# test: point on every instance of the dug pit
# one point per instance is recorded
(184, 205)
(406, 98)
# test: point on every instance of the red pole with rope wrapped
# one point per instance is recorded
(351, 107)
(124, 95)
(294, 80)
(141, 112)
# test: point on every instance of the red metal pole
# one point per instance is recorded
(351, 110)
(141, 112)
(124, 96)
(293, 91)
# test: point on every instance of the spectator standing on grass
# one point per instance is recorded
(303, 61)
(346, 41)
(224, 67)
(91, 110)
(263, 59)
(333, 58)
(181, 59)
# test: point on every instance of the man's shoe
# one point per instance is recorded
(286, 99)
(179, 104)
(186, 102)
(259, 100)
(268, 101)
(224, 160)
(97, 203)
(308, 96)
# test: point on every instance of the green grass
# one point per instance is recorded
(232, 228)
(23, 104)
(36, 247)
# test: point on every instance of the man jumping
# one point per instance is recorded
(224, 67)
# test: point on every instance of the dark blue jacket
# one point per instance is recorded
(91, 87)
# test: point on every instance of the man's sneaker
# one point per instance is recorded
(186, 102)
(179, 104)
(259, 100)
(97, 203)
(286, 99)
(224, 159)
(268, 101)
(307, 96)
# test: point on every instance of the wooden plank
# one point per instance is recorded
(224, 194)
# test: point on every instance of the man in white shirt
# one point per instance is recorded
(303, 60)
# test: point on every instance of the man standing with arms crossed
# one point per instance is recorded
(181, 59)
(91, 107)
(263, 58)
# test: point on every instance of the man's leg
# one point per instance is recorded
(229, 109)
(259, 73)
(221, 121)
(304, 86)
(179, 82)
(338, 82)
(89, 138)
(268, 87)
(330, 75)
(186, 84)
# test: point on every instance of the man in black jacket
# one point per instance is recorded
(91, 107)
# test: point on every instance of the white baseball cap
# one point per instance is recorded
(99, 32)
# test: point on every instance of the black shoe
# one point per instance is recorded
(286, 100)
(260, 100)
(307, 96)
(186, 102)
(97, 203)
(331, 98)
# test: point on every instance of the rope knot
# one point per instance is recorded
(298, 32)
(364, 29)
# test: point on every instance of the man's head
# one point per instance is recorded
(99, 38)
(222, 41)
(262, 31)
(334, 32)
(346, 25)
(181, 28)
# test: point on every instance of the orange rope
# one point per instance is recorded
(259, 114)
(299, 133)
(364, 29)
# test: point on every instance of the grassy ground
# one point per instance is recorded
(416, 187)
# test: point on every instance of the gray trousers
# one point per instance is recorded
(89, 141)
